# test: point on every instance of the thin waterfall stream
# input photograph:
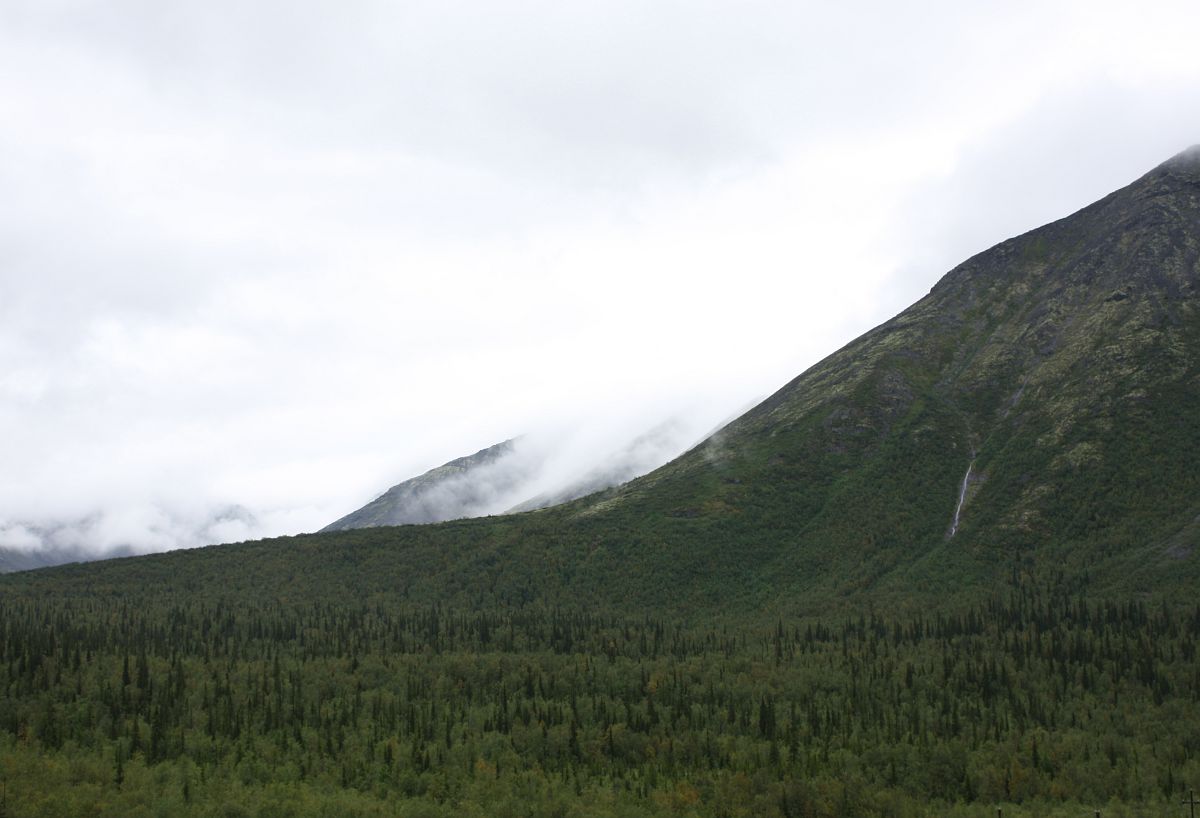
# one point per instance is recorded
(962, 496)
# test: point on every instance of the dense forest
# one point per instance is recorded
(1044, 702)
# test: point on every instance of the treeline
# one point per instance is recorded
(113, 705)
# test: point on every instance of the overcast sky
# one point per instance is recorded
(261, 260)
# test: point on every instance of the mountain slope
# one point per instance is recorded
(465, 487)
(635, 458)
(531, 472)
(1062, 367)
(1037, 414)
(13, 559)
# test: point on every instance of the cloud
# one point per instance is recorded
(1072, 147)
(19, 537)
(280, 256)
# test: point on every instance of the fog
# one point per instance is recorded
(544, 468)
(260, 262)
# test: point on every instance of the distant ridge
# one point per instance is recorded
(464, 487)
(517, 476)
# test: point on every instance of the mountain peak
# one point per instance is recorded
(1185, 164)
(465, 487)
(1188, 156)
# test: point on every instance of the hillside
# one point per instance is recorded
(1061, 369)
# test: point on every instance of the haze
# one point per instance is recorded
(258, 262)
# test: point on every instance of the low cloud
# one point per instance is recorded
(130, 529)
(260, 261)
(538, 469)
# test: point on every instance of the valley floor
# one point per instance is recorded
(1048, 705)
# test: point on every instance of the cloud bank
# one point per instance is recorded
(260, 261)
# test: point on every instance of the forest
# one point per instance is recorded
(1037, 700)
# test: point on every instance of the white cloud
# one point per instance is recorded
(20, 537)
(279, 256)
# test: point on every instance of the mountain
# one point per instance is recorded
(947, 570)
(522, 474)
(465, 487)
(1037, 413)
(14, 559)
(1046, 393)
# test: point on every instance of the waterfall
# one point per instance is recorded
(962, 496)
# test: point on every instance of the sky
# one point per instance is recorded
(261, 260)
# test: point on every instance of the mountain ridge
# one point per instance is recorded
(1047, 390)
(949, 569)
(979, 380)
(443, 493)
